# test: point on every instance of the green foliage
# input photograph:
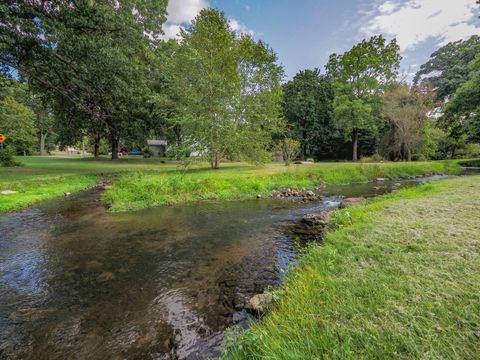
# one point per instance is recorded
(89, 57)
(308, 109)
(360, 76)
(147, 153)
(17, 122)
(233, 97)
(464, 107)
(6, 157)
(405, 109)
(290, 149)
(447, 68)
(468, 151)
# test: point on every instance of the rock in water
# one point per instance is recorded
(258, 303)
(352, 201)
(105, 276)
(317, 219)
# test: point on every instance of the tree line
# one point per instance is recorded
(360, 107)
(101, 71)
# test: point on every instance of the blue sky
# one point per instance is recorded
(305, 32)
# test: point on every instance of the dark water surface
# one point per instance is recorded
(77, 282)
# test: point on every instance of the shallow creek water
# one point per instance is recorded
(78, 282)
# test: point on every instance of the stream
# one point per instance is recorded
(164, 283)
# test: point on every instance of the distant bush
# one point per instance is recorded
(418, 157)
(374, 158)
(6, 157)
(468, 151)
(147, 153)
(290, 149)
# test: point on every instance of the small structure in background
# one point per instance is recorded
(157, 147)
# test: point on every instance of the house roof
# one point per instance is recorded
(157, 142)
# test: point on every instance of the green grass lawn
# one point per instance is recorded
(143, 182)
(43, 178)
(396, 279)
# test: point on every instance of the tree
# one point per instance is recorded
(290, 148)
(360, 77)
(90, 58)
(168, 100)
(308, 109)
(17, 122)
(447, 68)
(231, 85)
(406, 109)
(464, 108)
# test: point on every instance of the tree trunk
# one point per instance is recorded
(43, 138)
(114, 142)
(454, 148)
(355, 144)
(216, 160)
(409, 154)
(96, 147)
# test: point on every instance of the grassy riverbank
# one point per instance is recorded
(397, 279)
(142, 182)
(43, 178)
(241, 181)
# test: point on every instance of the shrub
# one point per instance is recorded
(469, 151)
(374, 158)
(290, 149)
(147, 153)
(6, 157)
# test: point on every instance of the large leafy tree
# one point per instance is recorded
(90, 57)
(447, 69)
(406, 109)
(465, 103)
(231, 88)
(308, 109)
(360, 77)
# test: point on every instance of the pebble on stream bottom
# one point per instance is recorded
(105, 276)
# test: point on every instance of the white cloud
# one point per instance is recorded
(181, 12)
(240, 28)
(172, 31)
(413, 22)
(387, 7)
(184, 11)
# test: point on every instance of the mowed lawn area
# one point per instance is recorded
(139, 182)
(396, 279)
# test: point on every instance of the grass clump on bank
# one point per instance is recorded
(34, 191)
(144, 189)
(398, 278)
(41, 178)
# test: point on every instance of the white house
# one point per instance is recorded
(157, 147)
